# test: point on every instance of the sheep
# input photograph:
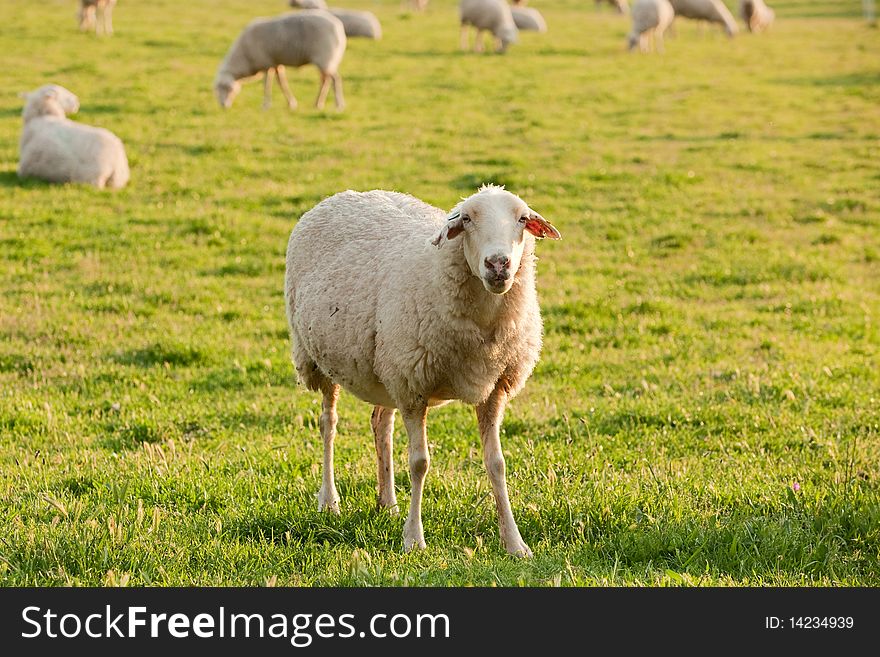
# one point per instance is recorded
(358, 23)
(712, 11)
(649, 17)
(621, 6)
(490, 15)
(526, 18)
(88, 15)
(269, 44)
(407, 308)
(56, 149)
(308, 4)
(756, 15)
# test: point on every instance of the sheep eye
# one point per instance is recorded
(465, 219)
(523, 219)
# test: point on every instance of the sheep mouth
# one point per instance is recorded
(497, 285)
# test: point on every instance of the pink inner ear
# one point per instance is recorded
(540, 229)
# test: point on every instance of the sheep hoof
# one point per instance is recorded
(292, 106)
(391, 507)
(518, 548)
(413, 538)
(328, 502)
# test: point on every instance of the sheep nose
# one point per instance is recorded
(497, 264)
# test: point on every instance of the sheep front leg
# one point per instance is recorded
(337, 91)
(285, 88)
(419, 461)
(382, 423)
(267, 89)
(328, 498)
(108, 19)
(489, 415)
(464, 37)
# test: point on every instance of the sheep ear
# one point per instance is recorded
(454, 226)
(540, 227)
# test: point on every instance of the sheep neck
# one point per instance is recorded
(463, 293)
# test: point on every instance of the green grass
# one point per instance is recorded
(711, 313)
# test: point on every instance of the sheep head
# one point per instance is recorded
(226, 88)
(50, 100)
(495, 227)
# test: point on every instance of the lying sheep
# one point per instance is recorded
(308, 4)
(358, 23)
(490, 15)
(650, 19)
(407, 308)
(56, 149)
(621, 6)
(756, 14)
(526, 18)
(88, 15)
(269, 44)
(712, 11)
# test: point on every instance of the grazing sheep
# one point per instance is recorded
(358, 23)
(56, 149)
(526, 18)
(712, 11)
(407, 308)
(620, 5)
(491, 15)
(88, 15)
(650, 19)
(308, 4)
(295, 39)
(756, 14)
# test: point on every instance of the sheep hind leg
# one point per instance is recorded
(419, 461)
(108, 19)
(489, 415)
(322, 92)
(478, 41)
(285, 88)
(328, 498)
(463, 40)
(382, 423)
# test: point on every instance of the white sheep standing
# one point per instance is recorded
(650, 19)
(407, 308)
(527, 18)
(358, 23)
(621, 6)
(308, 4)
(294, 39)
(59, 150)
(712, 11)
(756, 15)
(88, 15)
(490, 15)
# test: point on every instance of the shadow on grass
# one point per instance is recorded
(356, 528)
(159, 354)
(860, 79)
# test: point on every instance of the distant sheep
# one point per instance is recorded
(269, 44)
(358, 23)
(712, 11)
(487, 15)
(408, 307)
(59, 150)
(526, 18)
(308, 4)
(88, 15)
(756, 15)
(650, 19)
(621, 6)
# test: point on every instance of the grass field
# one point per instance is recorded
(707, 407)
